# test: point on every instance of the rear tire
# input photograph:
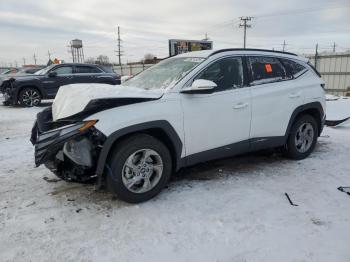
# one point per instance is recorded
(140, 166)
(29, 97)
(302, 138)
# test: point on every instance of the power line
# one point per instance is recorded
(245, 25)
(301, 11)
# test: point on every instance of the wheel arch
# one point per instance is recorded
(314, 109)
(160, 129)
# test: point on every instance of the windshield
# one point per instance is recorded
(164, 74)
(44, 70)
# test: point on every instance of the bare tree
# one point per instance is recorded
(90, 60)
(149, 56)
(102, 60)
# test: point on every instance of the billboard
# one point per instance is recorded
(178, 46)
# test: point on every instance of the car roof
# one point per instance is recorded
(242, 51)
(77, 64)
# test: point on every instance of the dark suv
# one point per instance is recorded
(44, 84)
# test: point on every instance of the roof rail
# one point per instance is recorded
(251, 49)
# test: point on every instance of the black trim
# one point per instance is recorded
(98, 105)
(143, 127)
(250, 49)
(246, 72)
(198, 91)
(249, 145)
(300, 109)
(216, 153)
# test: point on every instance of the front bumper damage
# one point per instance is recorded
(69, 148)
(8, 92)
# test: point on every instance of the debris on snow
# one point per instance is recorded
(290, 201)
(344, 189)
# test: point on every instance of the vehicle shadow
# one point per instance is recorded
(217, 169)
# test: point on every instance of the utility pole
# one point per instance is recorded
(34, 56)
(119, 48)
(49, 54)
(334, 45)
(206, 38)
(245, 25)
(316, 56)
(16, 64)
(284, 45)
(24, 61)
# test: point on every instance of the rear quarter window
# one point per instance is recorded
(293, 69)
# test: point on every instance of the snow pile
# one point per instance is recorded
(338, 109)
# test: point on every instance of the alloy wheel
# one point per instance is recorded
(304, 137)
(31, 97)
(142, 171)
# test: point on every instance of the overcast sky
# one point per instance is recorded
(36, 26)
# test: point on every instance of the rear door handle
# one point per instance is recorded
(294, 95)
(240, 105)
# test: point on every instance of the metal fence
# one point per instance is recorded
(335, 71)
(131, 69)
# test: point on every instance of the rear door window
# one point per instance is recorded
(266, 70)
(86, 70)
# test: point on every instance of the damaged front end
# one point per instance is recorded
(8, 91)
(68, 147)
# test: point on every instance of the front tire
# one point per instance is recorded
(29, 97)
(302, 138)
(140, 167)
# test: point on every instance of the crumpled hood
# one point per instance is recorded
(73, 99)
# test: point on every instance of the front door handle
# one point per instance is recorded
(294, 95)
(240, 105)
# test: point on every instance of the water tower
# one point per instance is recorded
(76, 46)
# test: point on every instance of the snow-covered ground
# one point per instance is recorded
(227, 210)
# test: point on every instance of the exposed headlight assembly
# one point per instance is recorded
(47, 143)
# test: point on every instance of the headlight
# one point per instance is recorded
(48, 143)
(68, 130)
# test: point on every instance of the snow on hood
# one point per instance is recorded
(72, 99)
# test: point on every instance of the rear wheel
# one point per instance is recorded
(302, 138)
(140, 167)
(29, 97)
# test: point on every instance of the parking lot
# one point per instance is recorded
(228, 210)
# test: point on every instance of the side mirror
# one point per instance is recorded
(53, 74)
(200, 86)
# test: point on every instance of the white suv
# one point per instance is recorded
(187, 109)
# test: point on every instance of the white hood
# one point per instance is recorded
(72, 99)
